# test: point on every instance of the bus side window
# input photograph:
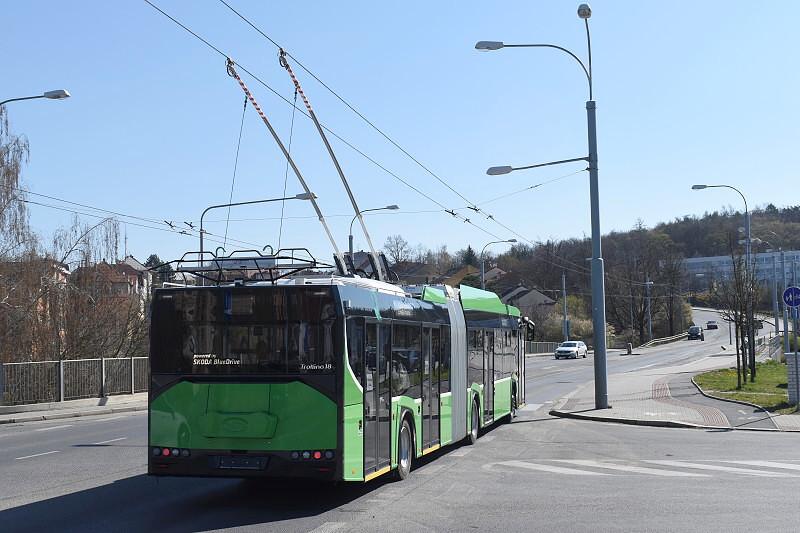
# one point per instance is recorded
(355, 347)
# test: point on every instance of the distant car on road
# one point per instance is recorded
(712, 324)
(571, 349)
(696, 332)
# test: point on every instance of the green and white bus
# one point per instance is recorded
(325, 376)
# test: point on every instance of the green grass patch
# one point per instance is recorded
(769, 390)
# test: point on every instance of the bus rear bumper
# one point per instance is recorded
(217, 463)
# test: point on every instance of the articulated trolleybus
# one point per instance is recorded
(287, 372)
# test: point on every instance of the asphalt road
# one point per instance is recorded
(535, 474)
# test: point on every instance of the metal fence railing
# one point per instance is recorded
(72, 379)
(540, 347)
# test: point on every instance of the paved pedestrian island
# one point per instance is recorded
(666, 396)
(654, 468)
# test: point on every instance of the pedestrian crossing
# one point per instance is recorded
(654, 468)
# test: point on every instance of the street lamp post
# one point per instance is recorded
(58, 94)
(648, 284)
(483, 262)
(301, 196)
(598, 274)
(748, 241)
(350, 240)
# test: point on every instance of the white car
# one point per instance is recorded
(571, 349)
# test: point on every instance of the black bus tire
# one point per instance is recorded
(405, 450)
(472, 437)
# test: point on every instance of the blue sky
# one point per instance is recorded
(687, 92)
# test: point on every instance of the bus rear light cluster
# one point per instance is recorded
(315, 455)
(170, 452)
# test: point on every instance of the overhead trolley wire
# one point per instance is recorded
(472, 205)
(575, 266)
(339, 137)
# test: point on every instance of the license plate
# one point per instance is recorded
(233, 462)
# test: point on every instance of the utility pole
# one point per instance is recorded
(775, 293)
(785, 307)
(647, 285)
(564, 297)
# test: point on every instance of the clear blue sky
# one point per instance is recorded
(687, 92)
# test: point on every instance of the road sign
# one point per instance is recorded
(791, 296)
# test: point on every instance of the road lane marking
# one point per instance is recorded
(111, 440)
(460, 452)
(36, 455)
(631, 468)
(488, 438)
(328, 527)
(54, 427)
(768, 464)
(550, 468)
(106, 419)
(720, 468)
(531, 407)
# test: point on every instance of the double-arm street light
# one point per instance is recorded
(598, 274)
(350, 238)
(483, 261)
(301, 196)
(58, 94)
(748, 242)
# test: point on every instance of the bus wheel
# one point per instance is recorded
(513, 413)
(472, 438)
(404, 451)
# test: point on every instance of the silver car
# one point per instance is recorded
(571, 349)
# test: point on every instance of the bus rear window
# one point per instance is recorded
(260, 330)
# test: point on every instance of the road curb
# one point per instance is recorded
(662, 423)
(729, 400)
(60, 416)
(632, 421)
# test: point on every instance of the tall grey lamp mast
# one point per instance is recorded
(58, 94)
(483, 262)
(598, 269)
(748, 242)
(387, 208)
(301, 196)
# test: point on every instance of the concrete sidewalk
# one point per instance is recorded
(643, 397)
(15, 414)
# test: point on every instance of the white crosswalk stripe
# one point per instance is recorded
(550, 468)
(631, 468)
(587, 467)
(768, 464)
(720, 468)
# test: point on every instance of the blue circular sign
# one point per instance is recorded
(791, 296)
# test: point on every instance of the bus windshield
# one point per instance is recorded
(240, 330)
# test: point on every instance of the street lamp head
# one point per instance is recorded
(698, 187)
(392, 207)
(511, 240)
(59, 94)
(488, 45)
(584, 11)
(305, 196)
(498, 171)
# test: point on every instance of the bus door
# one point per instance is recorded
(433, 394)
(430, 388)
(488, 376)
(376, 398)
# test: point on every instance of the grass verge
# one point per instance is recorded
(769, 390)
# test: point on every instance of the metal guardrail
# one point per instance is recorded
(663, 340)
(540, 347)
(72, 379)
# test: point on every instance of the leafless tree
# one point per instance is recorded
(397, 249)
